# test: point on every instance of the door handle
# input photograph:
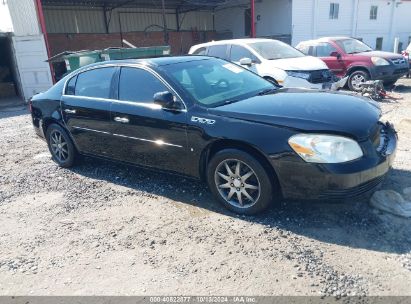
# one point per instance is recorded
(70, 111)
(121, 119)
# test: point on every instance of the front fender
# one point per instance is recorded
(352, 68)
(271, 141)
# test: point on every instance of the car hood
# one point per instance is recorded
(306, 63)
(308, 110)
(385, 55)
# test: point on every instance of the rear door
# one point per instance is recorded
(327, 53)
(143, 132)
(86, 109)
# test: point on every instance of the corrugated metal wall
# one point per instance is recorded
(133, 20)
(74, 20)
(91, 20)
(5, 20)
(24, 17)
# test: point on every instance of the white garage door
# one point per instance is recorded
(31, 56)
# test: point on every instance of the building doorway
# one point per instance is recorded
(247, 22)
(8, 71)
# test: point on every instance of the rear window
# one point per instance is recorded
(200, 51)
(71, 86)
(95, 83)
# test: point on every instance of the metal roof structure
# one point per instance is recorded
(168, 4)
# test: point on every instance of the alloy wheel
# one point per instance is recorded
(237, 183)
(357, 80)
(59, 146)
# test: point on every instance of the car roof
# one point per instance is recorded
(151, 62)
(325, 39)
(233, 41)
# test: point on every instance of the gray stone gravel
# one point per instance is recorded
(108, 229)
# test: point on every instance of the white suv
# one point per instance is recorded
(272, 59)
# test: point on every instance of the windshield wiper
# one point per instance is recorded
(226, 102)
(266, 91)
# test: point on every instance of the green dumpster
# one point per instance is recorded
(134, 53)
(79, 59)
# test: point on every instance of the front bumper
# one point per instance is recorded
(301, 180)
(389, 73)
(294, 82)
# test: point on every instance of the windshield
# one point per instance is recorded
(274, 49)
(352, 46)
(214, 82)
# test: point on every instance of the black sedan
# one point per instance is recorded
(253, 142)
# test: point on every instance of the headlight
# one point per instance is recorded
(298, 74)
(379, 61)
(320, 148)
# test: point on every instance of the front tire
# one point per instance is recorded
(60, 146)
(356, 79)
(239, 182)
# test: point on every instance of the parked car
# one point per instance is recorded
(407, 55)
(350, 57)
(274, 60)
(211, 119)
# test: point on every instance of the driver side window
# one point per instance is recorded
(238, 52)
(324, 49)
(139, 85)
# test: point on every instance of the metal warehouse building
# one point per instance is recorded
(31, 31)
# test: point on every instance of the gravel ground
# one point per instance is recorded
(107, 229)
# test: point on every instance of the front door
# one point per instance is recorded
(86, 109)
(328, 54)
(143, 132)
(238, 52)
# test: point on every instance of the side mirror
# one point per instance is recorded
(335, 54)
(246, 61)
(164, 99)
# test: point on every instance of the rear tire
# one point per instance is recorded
(60, 146)
(356, 78)
(239, 182)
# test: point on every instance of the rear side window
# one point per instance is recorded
(139, 85)
(324, 49)
(200, 51)
(304, 48)
(219, 51)
(94, 83)
(238, 52)
(71, 86)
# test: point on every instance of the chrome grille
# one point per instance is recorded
(320, 76)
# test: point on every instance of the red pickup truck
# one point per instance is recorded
(350, 57)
